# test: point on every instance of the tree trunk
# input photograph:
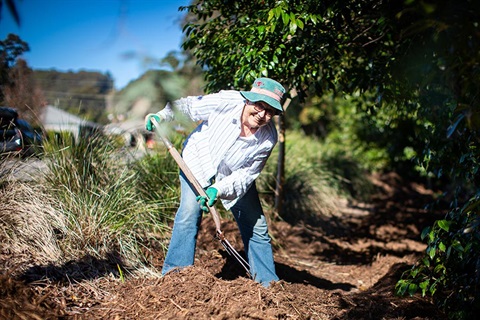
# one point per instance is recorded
(280, 166)
(281, 127)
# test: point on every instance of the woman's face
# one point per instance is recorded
(257, 114)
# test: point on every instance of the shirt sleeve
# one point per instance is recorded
(166, 113)
(197, 108)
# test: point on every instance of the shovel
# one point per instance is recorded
(201, 192)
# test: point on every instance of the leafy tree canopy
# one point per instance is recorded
(10, 50)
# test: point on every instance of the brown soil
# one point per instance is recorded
(343, 267)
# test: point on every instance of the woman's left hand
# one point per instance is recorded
(210, 199)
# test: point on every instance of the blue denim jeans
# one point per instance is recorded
(250, 219)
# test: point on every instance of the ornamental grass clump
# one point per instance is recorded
(29, 224)
(96, 190)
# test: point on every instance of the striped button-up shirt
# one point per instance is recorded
(215, 150)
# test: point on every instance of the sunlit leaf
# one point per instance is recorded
(444, 224)
(271, 14)
(442, 247)
(424, 286)
(300, 24)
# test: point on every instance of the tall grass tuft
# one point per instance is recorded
(29, 224)
(96, 190)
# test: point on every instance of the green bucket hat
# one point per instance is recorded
(266, 90)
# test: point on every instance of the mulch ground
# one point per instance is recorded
(343, 267)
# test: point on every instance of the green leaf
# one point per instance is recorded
(433, 288)
(442, 247)
(444, 224)
(449, 251)
(425, 233)
(426, 262)
(440, 268)
(414, 272)
(300, 24)
(278, 11)
(401, 287)
(471, 205)
(457, 246)
(293, 27)
(292, 16)
(424, 287)
(271, 14)
(412, 289)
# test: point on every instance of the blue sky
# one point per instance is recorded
(96, 35)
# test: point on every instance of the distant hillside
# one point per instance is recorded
(152, 91)
(82, 92)
(92, 95)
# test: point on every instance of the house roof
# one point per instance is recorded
(57, 120)
(53, 116)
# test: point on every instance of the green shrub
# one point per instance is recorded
(450, 269)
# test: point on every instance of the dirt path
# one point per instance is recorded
(342, 267)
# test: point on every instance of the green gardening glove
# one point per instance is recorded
(211, 197)
(148, 121)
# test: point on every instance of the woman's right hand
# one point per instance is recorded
(148, 121)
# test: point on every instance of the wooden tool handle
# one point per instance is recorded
(189, 175)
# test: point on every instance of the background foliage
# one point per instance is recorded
(82, 92)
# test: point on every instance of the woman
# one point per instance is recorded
(226, 153)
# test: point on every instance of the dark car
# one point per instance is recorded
(16, 135)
